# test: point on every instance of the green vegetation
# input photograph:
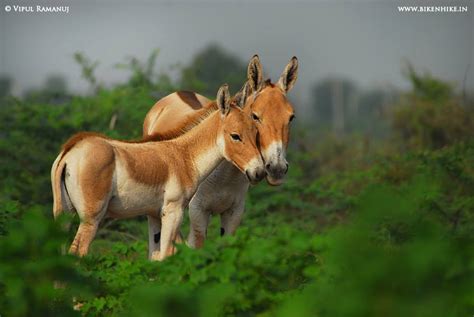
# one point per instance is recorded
(364, 226)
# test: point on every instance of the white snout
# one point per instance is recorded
(276, 165)
(274, 153)
(255, 170)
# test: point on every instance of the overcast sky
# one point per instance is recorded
(365, 41)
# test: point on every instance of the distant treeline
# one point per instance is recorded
(338, 106)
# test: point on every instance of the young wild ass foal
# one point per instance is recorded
(98, 176)
(223, 192)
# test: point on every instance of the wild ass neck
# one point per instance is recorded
(202, 144)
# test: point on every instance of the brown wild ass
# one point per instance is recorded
(98, 177)
(223, 192)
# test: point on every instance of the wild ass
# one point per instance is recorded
(223, 192)
(97, 176)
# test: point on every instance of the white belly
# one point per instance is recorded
(131, 198)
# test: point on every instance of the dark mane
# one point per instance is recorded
(268, 82)
(189, 123)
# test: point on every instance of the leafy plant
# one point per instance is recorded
(430, 116)
(362, 227)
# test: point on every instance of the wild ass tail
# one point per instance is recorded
(60, 196)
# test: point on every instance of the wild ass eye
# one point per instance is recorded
(235, 137)
(255, 117)
(292, 117)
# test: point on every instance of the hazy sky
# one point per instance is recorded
(365, 41)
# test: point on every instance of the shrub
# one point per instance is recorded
(35, 278)
(430, 116)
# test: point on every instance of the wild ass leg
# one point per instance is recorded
(154, 235)
(179, 238)
(90, 193)
(230, 219)
(84, 236)
(86, 231)
(171, 218)
(199, 220)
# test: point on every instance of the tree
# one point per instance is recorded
(333, 98)
(212, 67)
(5, 86)
(54, 91)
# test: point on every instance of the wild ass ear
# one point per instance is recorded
(288, 77)
(255, 73)
(223, 99)
(241, 97)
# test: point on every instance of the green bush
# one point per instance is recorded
(35, 278)
(431, 116)
(391, 259)
(360, 228)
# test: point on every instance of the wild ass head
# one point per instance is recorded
(272, 113)
(238, 137)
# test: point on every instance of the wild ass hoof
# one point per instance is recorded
(155, 256)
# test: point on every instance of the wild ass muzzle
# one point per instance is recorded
(100, 177)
